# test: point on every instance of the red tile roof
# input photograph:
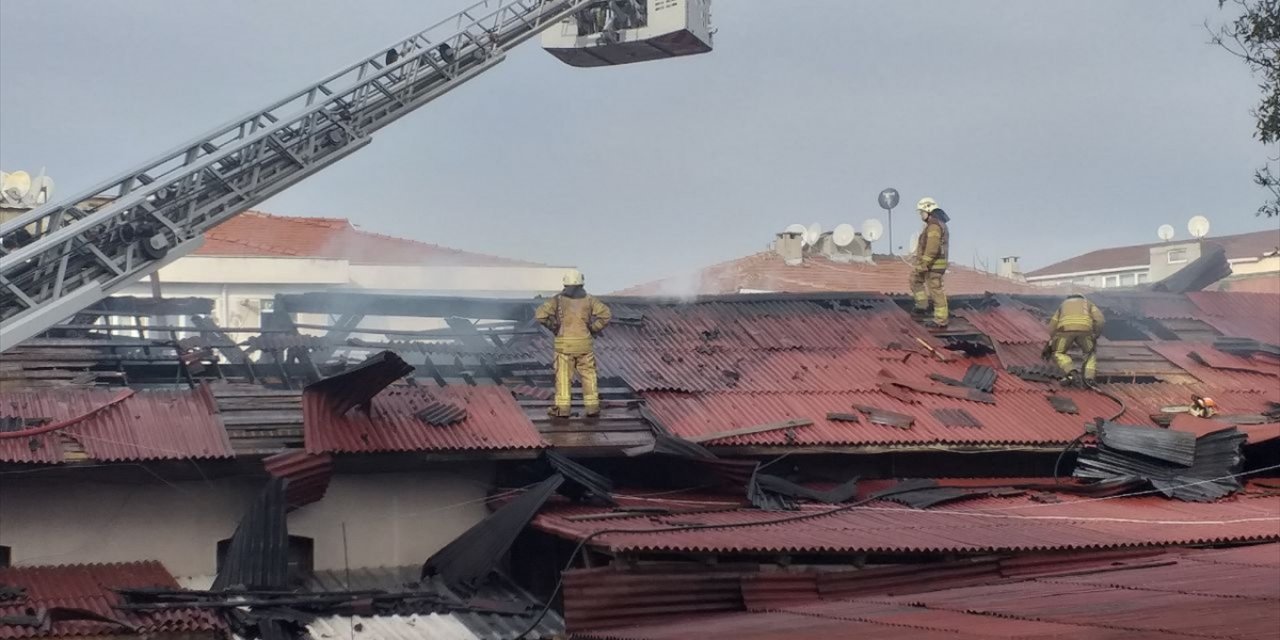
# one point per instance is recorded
(1231, 593)
(494, 422)
(114, 425)
(1244, 245)
(256, 234)
(766, 271)
(981, 526)
(89, 587)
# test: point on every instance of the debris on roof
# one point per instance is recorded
(1177, 464)
(956, 418)
(977, 376)
(1209, 268)
(465, 562)
(442, 414)
(1063, 404)
(357, 386)
(580, 483)
(884, 417)
(306, 475)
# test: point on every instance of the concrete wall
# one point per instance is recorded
(392, 519)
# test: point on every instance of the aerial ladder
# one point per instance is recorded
(63, 257)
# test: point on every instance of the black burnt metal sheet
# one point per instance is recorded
(359, 384)
(1176, 447)
(1063, 404)
(442, 414)
(581, 483)
(885, 417)
(956, 418)
(258, 556)
(980, 377)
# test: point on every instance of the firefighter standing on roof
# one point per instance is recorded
(931, 263)
(575, 318)
(1076, 323)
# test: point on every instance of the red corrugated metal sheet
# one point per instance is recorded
(308, 475)
(1143, 400)
(1222, 369)
(608, 597)
(769, 371)
(1226, 304)
(1196, 594)
(1017, 417)
(147, 425)
(1258, 328)
(494, 422)
(871, 322)
(1005, 324)
(1161, 306)
(90, 587)
(985, 525)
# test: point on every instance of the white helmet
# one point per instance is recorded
(573, 278)
(926, 205)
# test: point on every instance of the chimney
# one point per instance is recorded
(1009, 268)
(790, 247)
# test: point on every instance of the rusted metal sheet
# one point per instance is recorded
(494, 422)
(980, 526)
(89, 587)
(308, 475)
(145, 425)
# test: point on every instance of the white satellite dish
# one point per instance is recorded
(872, 230)
(1198, 226)
(4, 175)
(843, 235)
(16, 185)
(40, 192)
(795, 228)
(812, 234)
(1165, 232)
(913, 243)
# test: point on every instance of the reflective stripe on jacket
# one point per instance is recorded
(1077, 314)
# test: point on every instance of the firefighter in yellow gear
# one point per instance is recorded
(575, 318)
(931, 264)
(1076, 323)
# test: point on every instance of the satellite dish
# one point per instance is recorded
(872, 230)
(4, 175)
(1165, 232)
(1198, 226)
(796, 228)
(40, 192)
(16, 185)
(812, 234)
(843, 235)
(913, 243)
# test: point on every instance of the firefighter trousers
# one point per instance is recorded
(585, 365)
(926, 287)
(1063, 341)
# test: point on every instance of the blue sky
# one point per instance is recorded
(1045, 128)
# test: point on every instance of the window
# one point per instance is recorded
(301, 557)
(1111, 281)
(1177, 256)
(1127, 280)
(267, 305)
(1142, 278)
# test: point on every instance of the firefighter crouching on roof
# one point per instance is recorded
(574, 317)
(1078, 323)
(931, 264)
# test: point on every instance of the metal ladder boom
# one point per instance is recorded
(62, 257)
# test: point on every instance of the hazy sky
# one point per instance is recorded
(1045, 128)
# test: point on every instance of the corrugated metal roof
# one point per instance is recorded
(147, 425)
(1261, 328)
(1004, 324)
(1227, 304)
(90, 587)
(308, 474)
(767, 371)
(1017, 417)
(984, 525)
(1229, 593)
(494, 422)
(1220, 369)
